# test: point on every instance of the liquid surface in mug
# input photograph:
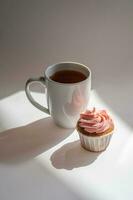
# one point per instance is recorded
(68, 76)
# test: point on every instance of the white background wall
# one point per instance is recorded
(98, 33)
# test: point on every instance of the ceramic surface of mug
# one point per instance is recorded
(68, 91)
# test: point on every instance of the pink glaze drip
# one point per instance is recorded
(95, 121)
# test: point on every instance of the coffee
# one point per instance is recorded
(68, 76)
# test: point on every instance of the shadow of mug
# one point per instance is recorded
(72, 155)
(26, 142)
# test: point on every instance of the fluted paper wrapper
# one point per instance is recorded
(96, 143)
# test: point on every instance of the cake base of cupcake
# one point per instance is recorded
(95, 144)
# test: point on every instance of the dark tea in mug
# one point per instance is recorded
(68, 76)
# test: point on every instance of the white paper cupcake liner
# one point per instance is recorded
(95, 143)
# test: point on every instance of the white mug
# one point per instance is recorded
(65, 101)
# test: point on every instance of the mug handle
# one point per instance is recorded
(29, 82)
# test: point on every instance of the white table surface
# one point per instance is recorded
(39, 160)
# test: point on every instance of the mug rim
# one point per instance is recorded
(67, 62)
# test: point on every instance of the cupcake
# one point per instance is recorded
(95, 128)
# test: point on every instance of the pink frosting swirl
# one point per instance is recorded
(95, 121)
